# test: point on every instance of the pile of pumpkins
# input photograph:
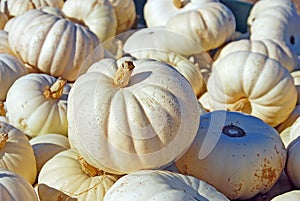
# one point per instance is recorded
(94, 106)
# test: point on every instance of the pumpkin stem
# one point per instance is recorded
(178, 3)
(123, 74)
(233, 131)
(3, 139)
(56, 90)
(88, 169)
(242, 105)
(2, 110)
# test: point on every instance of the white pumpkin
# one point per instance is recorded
(69, 173)
(191, 72)
(11, 68)
(4, 46)
(255, 155)
(58, 48)
(296, 76)
(16, 152)
(46, 193)
(13, 8)
(293, 161)
(290, 120)
(252, 83)
(37, 104)
(293, 195)
(210, 25)
(158, 12)
(276, 20)
(142, 113)
(46, 146)
(161, 185)
(14, 187)
(275, 50)
(98, 15)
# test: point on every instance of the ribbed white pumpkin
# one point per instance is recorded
(293, 195)
(252, 83)
(46, 193)
(141, 113)
(59, 47)
(191, 72)
(293, 161)
(16, 152)
(239, 154)
(275, 50)
(98, 15)
(149, 185)
(11, 68)
(13, 8)
(158, 12)
(275, 20)
(13, 187)
(37, 104)
(69, 173)
(210, 25)
(46, 146)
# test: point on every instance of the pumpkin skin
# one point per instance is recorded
(275, 20)
(57, 48)
(161, 185)
(293, 195)
(15, 188)
(158, 12)
(98, 15)
(253, 84)
(46, 193)
(37, 104)
(13, 8)
(293, 162)
(242, 139)
(46, 146)
(126, 14)
(275, 50)
(4, 46)
(16, 152)
(143, 125)
(210, 26)
(64, 172)
(182, 64)
(11, 68)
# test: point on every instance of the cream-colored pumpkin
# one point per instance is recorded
(37, 104)
(285, 136)
(69, 173)
(13, 187)
(252, 83)
(4, 46)
(204, 100)
(290, 120)
(210, 26)
(293, 195)
(98, 15)
(161, 39)
(16, 152)
(275, 50)
(296, 76)
(149, 185)
(275, 20)
(14, 8)
(293, 161)
(191, 72)
(59, 47)
(237, 153)
(126, 14)
(295, 129)
(141, 113)
(48, 145)
(46, 193)
(158, 12)
(11, 68)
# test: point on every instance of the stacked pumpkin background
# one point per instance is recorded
(96, 106)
